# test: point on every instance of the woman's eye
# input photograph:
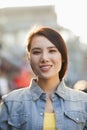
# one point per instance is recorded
(52, 51)
(36, 52)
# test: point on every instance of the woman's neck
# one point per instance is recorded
(48, 86)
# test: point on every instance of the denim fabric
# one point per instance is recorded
(24, 109)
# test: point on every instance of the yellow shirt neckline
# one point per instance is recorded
(49, 121)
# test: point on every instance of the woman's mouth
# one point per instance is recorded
(45, 68)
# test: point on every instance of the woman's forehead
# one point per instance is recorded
(41, 41)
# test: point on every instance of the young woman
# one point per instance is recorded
(47, 104)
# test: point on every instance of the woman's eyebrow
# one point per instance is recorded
(35, 48)
(38, 48)
(52, 47)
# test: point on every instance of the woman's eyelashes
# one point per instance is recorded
(36, 52)
(48, 50)
(52, 50)
(39, 52)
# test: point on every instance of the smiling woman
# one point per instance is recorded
(46, 57)
(47, 104)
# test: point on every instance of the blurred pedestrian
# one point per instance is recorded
(23, 79)
(4, 88)
(81, 85)
(47, 104)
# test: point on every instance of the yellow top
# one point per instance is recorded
(49, 121)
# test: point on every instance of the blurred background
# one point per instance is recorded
(17, 17)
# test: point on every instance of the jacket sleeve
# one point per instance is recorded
(3, 117)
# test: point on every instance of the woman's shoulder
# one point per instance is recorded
(76, 94)
(17, 95)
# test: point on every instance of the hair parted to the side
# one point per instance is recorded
(54, 37)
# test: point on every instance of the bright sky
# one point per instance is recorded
(71, 13)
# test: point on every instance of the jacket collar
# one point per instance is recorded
(36, 91)
(61, 90)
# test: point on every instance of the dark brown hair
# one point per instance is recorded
(54, 37)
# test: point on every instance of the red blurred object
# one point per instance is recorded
(23, 80)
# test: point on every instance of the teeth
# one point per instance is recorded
(45, 67)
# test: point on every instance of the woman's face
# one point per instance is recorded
(45, 59)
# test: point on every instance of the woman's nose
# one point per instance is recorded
(44, 57)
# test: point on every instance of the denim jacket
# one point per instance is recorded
(24, 109)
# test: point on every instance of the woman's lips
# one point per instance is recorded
(45, 68)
